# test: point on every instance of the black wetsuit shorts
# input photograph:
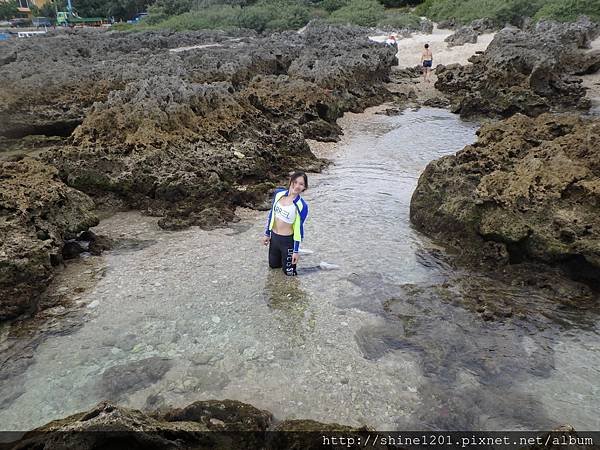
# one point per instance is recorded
(281, 249)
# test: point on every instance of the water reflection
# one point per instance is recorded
(290, 302)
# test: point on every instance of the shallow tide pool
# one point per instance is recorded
(191, 315)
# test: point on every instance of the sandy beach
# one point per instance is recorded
(409, 49)
(409, 55)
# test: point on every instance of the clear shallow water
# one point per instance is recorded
(183, 316)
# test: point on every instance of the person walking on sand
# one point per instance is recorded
(285, 224)
(426, 62)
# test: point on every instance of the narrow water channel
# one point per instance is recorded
(190, 315)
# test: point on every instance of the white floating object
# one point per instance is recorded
(305, 251)
(327, 266)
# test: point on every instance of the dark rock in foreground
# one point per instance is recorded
(222, 424)
(528, 189)
(37, 213)
(530, 72)
(212, 424)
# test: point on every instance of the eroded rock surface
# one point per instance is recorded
(190, 134)
(528, 189)
(37, 213)
(462, 36)
(74, 69)
(225, 424)
(211, 424)
(510, 77)
(186, 126)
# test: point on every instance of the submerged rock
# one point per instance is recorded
(118, 380)
(510, 77)
(96, 244)
(530, 187)
(71, 250)
(38, 212)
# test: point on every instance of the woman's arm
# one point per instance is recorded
(269, 217)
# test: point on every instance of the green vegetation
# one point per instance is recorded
(225, 16)
(399, 3)
(260, 16)
(8, 10)
(264, 15)
(274, 15)
(332, 5)
(48, 10)
(507, 11)
(366, 13)
(401, 19)
(569, 10)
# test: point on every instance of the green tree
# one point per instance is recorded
(172, 7)
(274, 15)
(332, 5)
(49, 9)
(8, 9)
(119, 9)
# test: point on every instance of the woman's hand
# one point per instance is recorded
(265, 240)
(295, 258)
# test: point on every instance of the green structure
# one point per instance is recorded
(70, 18)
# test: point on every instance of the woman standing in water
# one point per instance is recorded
(285, 225)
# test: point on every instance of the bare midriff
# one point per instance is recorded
(280, 227)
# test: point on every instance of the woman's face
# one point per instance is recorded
(297, 186)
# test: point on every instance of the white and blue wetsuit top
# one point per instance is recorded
(297, 220)
(285, 213)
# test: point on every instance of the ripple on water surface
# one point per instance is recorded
(381, 340)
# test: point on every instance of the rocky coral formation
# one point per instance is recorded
(74, 69)
(207, 133)
(37, 213)
(469, 33)
(183, 125)
(211, 424)
(528, 189)
(83, 67)
(448, 24)
(462, 36)
(424, 26)
(510, 77)
(224, 424)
